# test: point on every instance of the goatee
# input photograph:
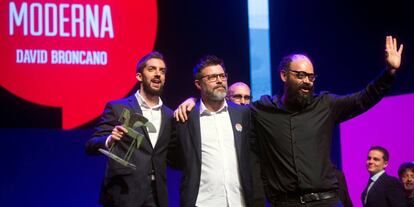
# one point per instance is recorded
(215, 95)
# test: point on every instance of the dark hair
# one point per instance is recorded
(142, 63)
(208, 60)
(405, 167)
(386, 155)
(284, 64)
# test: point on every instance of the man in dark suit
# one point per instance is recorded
(145, 186)
(214, 144)
(382, 190)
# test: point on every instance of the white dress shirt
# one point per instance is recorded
(153, 114)
(219, 182)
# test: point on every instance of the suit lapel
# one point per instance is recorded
(364, 194)
(164, 119)
(237, 127)
(377, 183)
(375, 186)
(194, 129)
(133, 103)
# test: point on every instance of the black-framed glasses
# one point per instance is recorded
(240, 97)
(302, 75)
(214, 77)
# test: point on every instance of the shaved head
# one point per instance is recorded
(239, 85)
(297, 74)
(239, 93)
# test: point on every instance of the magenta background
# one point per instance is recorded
(388, 124)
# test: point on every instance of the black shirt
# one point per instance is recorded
(295, 147)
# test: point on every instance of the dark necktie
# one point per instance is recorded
(367, 189)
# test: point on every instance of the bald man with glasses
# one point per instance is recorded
(239, 93)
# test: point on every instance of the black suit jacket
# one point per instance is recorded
(189, 147)
(123, 186)
(387, 191)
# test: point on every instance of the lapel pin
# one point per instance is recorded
(239, 127)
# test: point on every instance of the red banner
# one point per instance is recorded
(76, 55)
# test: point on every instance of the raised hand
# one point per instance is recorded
(392, 53)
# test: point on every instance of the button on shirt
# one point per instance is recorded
(219, 181)
(153, 114)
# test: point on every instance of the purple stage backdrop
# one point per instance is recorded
(388, 124)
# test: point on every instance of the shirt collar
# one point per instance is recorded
(143, 103)
(205, 111)
(377, 175)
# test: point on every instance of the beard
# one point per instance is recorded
(297, 98)
(146, 83)
(215, 95)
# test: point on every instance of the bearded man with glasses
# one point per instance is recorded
(294, 130)
(212, 147)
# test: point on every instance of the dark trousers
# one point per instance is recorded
(151, 200)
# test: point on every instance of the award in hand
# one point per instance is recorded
(131, 122)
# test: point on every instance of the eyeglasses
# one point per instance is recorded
(302, 75)
(240, 97)
(214, 77)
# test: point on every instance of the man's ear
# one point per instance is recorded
(385, 164)
(283, 75)
(197, 84)
(139, 77)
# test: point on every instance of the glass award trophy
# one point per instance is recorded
(131, 122)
